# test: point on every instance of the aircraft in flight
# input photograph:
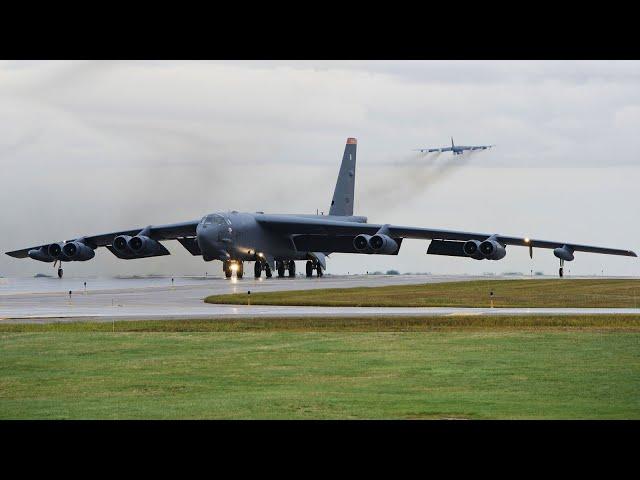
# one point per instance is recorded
(456, 149)
(274, 242)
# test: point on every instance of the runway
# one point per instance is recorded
(40, 300)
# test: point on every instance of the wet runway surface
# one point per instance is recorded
(47, 299)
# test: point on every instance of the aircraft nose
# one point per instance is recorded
(207, 238)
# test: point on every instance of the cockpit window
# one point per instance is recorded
(214, 220)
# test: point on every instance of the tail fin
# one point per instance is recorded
(342, 203)
(452, 145)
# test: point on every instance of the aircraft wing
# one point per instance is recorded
(429, 150)
(329, 227)
(157, 232)
(477, 147)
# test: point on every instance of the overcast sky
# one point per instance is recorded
(91, 147)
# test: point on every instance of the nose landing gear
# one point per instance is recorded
(230, 266)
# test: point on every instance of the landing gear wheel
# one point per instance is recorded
(226, 266)
(309, 268)
(267, 270)
(319, 270)
(280, 267)
(240, 271)
(60, 272)
(292, 268)
(561, 272)
(257, 270)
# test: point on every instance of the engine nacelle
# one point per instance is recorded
(55, 251)
(361, 242)
(564, 253)
(78, 251)
(121, 244)
(383, 244)
(143, 245)
(471, 249)
(41, 254)
(492, 250)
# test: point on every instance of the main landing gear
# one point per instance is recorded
(230, 266)
(561, 270)
(259, 266)
(289, 265)
(311, 267)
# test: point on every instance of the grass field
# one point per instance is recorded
(506, 293)
(452, 367)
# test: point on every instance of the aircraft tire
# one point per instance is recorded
(292, 268)
(267, 270)
(240, 271)
(280, 269)
(60, 272)
(561, 272)
(309, 268)
(319, 270)
(257, 270)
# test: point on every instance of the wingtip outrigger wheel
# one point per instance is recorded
(561, 270)
(60, 271)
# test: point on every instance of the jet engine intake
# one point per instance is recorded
(143, 245)
(78, 251)
(471, 248)
(361, 242)
(383, 244)
(55, 251)
(121, 244)
(492, 250)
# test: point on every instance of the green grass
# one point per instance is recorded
(506, 293)
(613, 322)
(538, 367)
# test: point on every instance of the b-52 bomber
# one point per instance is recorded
(277, 241)
(456, 149)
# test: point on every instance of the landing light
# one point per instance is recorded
(526, 240)
(234, 267)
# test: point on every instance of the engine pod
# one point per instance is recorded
(361, 242)
(383, 244)
(143, 245)
(78, 251)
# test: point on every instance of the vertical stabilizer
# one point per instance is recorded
(342, 203)
(452, 145)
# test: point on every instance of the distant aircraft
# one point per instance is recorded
(275, 242)
(456, 149)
